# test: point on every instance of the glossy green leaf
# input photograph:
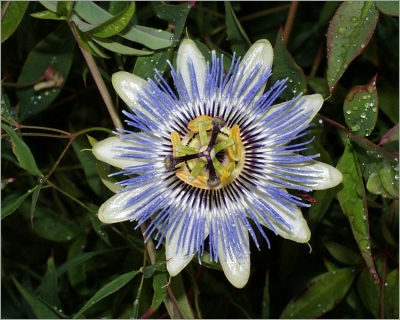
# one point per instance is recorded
(13, 205)
(369, 292)
(349, 32)
(176, 16)
(329, 265)
(206, 261)
(390, 136)
(389, 102)
(51, 225)
(108, 289)
(115, 24)
(12, 17)
(88, 44)
(285, 67)
(98, 228)
(387, 233)
(48, 288)
(64, 7)
(390, 8)
(39, 307)
(7, 111)
(88, 162)
(239, 41)
(145, 66)
(48, 15)
(22, 152)
(320, 295)
(265, 305)
(379, 167)
(149, 37)
(77, 260)
(56, 50)
(120, 48)
(117, 6)
(50, 5)
(392, 295)
(342, 253)
(353, 201)
(183, 307)
(361, 108)
(35, 196)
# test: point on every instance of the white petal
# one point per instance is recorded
(310, 103)
(113, 210)
(329, 176)
(128, 86)
(236, 271)
(260, 52)
(177, 260)
(107, 151)
(298, 230)
(189, 51)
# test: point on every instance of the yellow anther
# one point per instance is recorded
(235, 151)
(229, 168)
(176, 141)
(194, 124)
(198, 182)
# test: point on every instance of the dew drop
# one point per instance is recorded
(348, 111)
(363, 115)
(367, 132)
(396, 177)
(375, 110)
(355, 127)
(355, 108)
(354, 19)
(341, 30)
(363, 46)
(365, 97)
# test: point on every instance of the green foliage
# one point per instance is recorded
(60, 261)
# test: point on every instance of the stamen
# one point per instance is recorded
(203, 169)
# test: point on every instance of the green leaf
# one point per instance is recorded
(389, 102)
(369, 292)
(342, 253)
(392, 295)
(10, 207)
(265, 305)
(152, 38)
(12, 17)
(176, 16)
(320, 295)
(183, 307)
(361, 108)
(64, 7)
(48, 288)
(390, 8)
(120, 48)
(48, 15)
(50, 5)
(284, 67)
(97, 227)
(390, 136)
(145, 66)
(353, 201)
(77, 260)
(108, 289)
(349, 32)
(22, 152)
(88, 162)
(56, 50)
(51, 225)
(39, 307)
(7, 111)
(206, 261)
(115, 24)
(88, 44)
(239, 41)
(379, 167)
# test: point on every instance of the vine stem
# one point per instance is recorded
(289, 21)
(99, 82)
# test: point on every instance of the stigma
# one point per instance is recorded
(209, 156)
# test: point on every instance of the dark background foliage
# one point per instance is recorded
(56, 255)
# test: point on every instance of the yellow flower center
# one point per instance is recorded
(210, 156)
